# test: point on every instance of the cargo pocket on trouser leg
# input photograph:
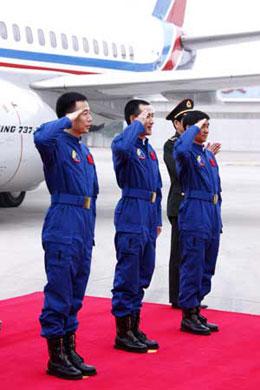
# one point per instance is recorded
(58, 290)
(191, 269)
(127, 273)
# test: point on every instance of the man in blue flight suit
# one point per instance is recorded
(199, 220)
(68, 231)
(138, 223)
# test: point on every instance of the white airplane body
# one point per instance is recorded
(40, 58)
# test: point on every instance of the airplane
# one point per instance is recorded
(41, 57)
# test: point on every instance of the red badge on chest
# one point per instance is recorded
(153, 156)
(90, 159)
(212, 162)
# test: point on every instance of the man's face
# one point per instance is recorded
(202, 136)
(148, 125)
(83, 123)
(178, 126)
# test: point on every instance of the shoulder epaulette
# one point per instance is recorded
(173, 139)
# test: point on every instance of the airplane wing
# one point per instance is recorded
(112, 86)
(203, 42)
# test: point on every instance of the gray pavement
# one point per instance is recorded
(236, 285)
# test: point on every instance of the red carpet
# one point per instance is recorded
(229, 359)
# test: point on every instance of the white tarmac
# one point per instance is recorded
(236, 284)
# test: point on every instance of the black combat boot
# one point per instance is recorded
(59, 364)
(191, 323)
(125, 339)
(151, 344)
(69, 341)
(204, 321)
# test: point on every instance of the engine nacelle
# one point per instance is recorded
(21, 112)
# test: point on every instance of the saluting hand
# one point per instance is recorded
(75, 115)
(142, 117)
(214, 148)
(201, 123)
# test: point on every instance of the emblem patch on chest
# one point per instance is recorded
(200, 161)
(90, 159)
(153, 155)
(140, 154)
(212, 162)
(75, 156)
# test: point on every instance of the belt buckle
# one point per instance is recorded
(87, 201)
(215, 198)
(153, 197)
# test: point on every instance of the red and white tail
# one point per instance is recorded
(171, 11)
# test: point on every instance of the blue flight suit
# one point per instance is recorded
(68, 230)
(199, 217)
(137, 216)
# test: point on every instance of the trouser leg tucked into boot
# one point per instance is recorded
(204, 321)
(70, 348)
(125, 338)
(140, 335)
(59, 364)
(191, 323)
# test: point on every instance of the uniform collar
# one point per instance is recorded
(199, 147)
(142, 142)
(72, 138)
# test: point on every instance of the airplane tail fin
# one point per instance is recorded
(171, 11)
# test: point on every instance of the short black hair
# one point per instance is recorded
(132, 108)
(66, 103)
(193, 117)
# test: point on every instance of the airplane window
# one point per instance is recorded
(41, 37)
(29, 34)
(95, 46)
(123, 51)
(131, 53)
(16, 33)
(114, 50)
(85, 45)
(105, 48)
(64, 41)
(3, 30)
(75, 43)
(53, 39)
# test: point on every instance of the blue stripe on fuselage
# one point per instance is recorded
(80, 61)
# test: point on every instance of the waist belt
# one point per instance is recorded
(74, 200)
(202, 195)
(150, 196)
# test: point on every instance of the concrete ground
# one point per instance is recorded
(237, 279)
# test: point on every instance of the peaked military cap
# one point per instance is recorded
(185, 105)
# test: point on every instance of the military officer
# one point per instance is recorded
(175, 197)
(68, 231)
(138, 222)
(199, 220)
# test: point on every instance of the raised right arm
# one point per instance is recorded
(124, 142)
(46, 136)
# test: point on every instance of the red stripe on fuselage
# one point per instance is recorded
(20, 66)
